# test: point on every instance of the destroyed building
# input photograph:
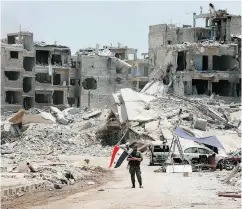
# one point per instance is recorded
(120, 51)
(17, 71)
(139, 72)
(53, 66)
(198, 60)
(42, 75)
(34, 75)
(97, 77)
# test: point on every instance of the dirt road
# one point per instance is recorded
(160, 190)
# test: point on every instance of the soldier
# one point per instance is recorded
(134, 166)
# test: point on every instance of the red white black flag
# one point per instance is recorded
(118, 157)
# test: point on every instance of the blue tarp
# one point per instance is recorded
(210, 140)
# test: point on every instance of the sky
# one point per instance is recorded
(79, 24)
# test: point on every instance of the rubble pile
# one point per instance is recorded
(76, 137)
(234, 177)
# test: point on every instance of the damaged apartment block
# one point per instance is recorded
(17, 74)
(195, 60)
(100, 73)
(52, 75)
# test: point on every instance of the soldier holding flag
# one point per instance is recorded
(135, 159)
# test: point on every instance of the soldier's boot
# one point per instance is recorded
(140, 185)
(133, 184)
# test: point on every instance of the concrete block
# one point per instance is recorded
(200, 124)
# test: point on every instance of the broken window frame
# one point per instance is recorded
(14, 55)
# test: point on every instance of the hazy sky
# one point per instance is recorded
(80, 24)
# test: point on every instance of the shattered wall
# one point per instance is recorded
(235, 25)
(163, 34)
(110, 76)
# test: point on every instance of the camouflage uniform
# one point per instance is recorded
(134, 168)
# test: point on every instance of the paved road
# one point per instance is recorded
(160, 190)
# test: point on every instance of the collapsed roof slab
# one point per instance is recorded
(212, 76)
(205, 48)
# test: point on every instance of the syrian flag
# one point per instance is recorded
(118, 157)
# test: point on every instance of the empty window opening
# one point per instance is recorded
(72, 82)
(117, 55)
(238, 88)
(223, 63)
(28, 63)
(28, 103)
(12, 75)
(56, 79)
(65, 59)
(71, 101)
(201, 62)
(43, 98)
(13, 97)
(56, 60)
(14, 55)
(12, 40)
(181, 61)
(201, 86)
(27, 84)
(42, 57)
(89, 83)
(118, 70)
(146, 71)
(73, 64)
(205, 63)
(43, 78)
(78, 102)
(58, 97)
(222, 88)
(169, 42)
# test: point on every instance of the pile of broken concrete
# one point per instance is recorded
(152, 114)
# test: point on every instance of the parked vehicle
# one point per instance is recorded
(195, 153)
(159, 152)
(232, 160)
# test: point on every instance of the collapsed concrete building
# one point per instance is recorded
(34, 75)
(139, 72)
(42, 75)
(97, 77)
(53, 65)
(120, 51)
(198, 60)
(17, 71)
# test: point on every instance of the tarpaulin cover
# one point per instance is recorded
(210, 140)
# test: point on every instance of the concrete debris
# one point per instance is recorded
(91, 114)
(200, 124)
